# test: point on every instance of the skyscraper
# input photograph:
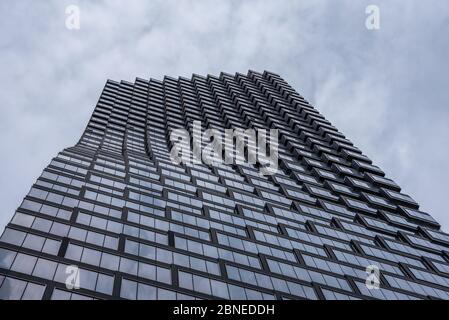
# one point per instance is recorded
(115, 217)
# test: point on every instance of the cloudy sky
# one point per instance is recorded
(386, 89)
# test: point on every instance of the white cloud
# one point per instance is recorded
(386, 89)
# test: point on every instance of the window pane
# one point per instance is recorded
(77, 233)
(146, 292)
(132, 247)
(98, 223)
(147, 271)
(74, 252)
(33, 292)
(201, 284)
(34, 242)
(111, 242)
(13, 236)
(128, 266)
(51, 246)
(42, 224)
(6, 258)
(219, 289)
(91, 256)
(23, 219)
(164, 275)
(88, 279)
(237, 293)
(128, 289)
(166, 294)
(148, 252)
(95, 238)
(31, 205)
(49, 210)
(56, 198)
(12, 289)
(45, 269)
(24, 263)
(110, 261)
(59, 229)
(105, 283)
(60, 295)
(185, 280)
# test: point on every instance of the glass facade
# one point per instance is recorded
(135, 225)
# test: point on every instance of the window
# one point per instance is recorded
(185, 280)
(389, 256)
(211, 186)
(22, 219)
(300, 195)
(109, 261)
(74, 252)
(378, 224)
(166, 225)
(321, 192)
(340, 210)
(333, 295)
(114, 263)
(394, 245)
(6, 258)
(269, 196)
(105, 283)
(33, 291)
(399, 196)
(289, 287)
(91, 256)
(38, 193)
(59, 294)
(218, 288)
(55, 198)
(147, 292)
(136, 290)
(147, 271)
(42, 244)
(128, 289)
(338, 234)
(290, 244)
(46, 209)
(358, 205)
(163, 275)
(12, 289)
(77, 233)
(24, 263)
(378, 200)
(12, 236)
(88, 279)
(45, 269)
(419, 215)
(15, 289)
(201, 284)
(213, 252)
(128, 266)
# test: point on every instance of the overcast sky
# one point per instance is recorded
(386, 90)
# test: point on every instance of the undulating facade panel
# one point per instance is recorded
(114, 217)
